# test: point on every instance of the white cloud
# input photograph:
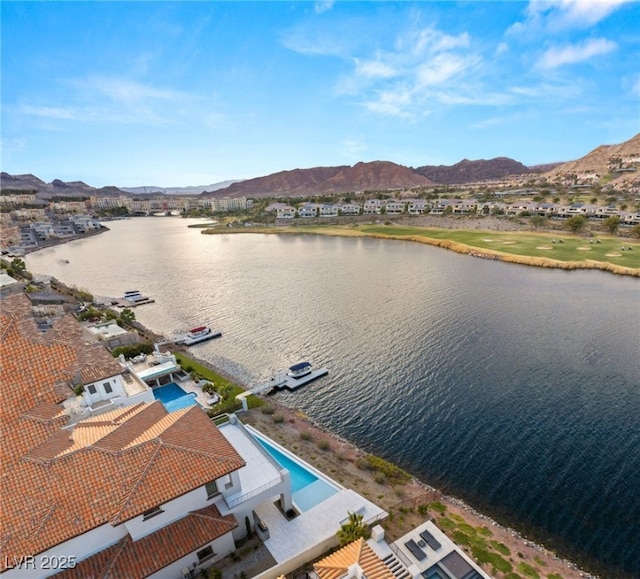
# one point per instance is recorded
(444, 68)
(323, 6)
(574, 53)
(558, 15)
(374, 69)
(125, 90)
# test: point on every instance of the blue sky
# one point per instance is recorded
(193, 93)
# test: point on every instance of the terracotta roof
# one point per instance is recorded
(155, 551)
(57, 484)
(337, 565)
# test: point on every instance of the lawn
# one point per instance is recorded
(562, 247)
(565, 248)
(227, 389)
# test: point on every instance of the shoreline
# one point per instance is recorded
(298, 424)
(484, 253)
(338, 457)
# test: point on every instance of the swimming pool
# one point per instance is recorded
(308, 489)
(173, 397)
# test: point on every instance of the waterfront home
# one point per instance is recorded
(373, 206)
(110, 334)
(286, 212)
(137, 491)
(308, 210)
(423, 552)
(350, 209)
(328, 210)
(393, 207)
(417, 206)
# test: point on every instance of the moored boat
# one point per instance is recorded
(197, 335)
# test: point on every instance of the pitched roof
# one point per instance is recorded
(155, 551)
(337, 565)
(56, 484)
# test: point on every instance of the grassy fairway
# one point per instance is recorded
(524, 247)
(573, 249)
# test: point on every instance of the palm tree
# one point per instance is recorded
(353, 529)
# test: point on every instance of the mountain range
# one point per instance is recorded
(363, 176)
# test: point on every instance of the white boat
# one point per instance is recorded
(297, 375)
(197, 335)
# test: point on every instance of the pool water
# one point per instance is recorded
(173, 397)
(308, 490)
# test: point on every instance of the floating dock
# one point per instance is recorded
(284, 381)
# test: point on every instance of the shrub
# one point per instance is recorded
(268, 410)
(306, 436)
(324, 445)
(277, 418)
(437, 506)
(423, 509)
(528, 570)
(133, 350)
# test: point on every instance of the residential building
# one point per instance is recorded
(308, 210)
(373, 207)
(393, 207)
(350, 209)
(423, 552)
(328, 210)
(136, 491)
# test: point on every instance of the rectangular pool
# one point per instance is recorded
(308, 489)
(173, 397)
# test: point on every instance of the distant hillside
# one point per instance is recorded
(191, 190)
(473, 171)
(56, 187)
(617, 160)
(376, 175)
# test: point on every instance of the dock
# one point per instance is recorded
(134, 304)
(282, 381)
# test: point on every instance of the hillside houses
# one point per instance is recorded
(461, 207)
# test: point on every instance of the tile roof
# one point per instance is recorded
(155, 551)
(337, 565)
(56, 484)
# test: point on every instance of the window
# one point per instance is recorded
(107, 388)
(151, 513)
(205, 554)
(92, 389)
(212, 489)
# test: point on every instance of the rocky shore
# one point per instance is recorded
(340, 460)
(405, 502)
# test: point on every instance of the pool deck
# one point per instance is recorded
(291, 538)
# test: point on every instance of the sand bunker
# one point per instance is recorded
(583, 248)
(487, 240)
(614, 255)
(544, 247)
(509, 242)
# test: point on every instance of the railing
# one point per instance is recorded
(400, 555)
(236, 500)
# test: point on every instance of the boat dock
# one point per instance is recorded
(285, 380)
(134, 304)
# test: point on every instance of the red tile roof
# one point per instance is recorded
(56, 484)
(155, 551)
(358, 553)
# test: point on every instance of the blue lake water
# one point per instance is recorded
(514, 388)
